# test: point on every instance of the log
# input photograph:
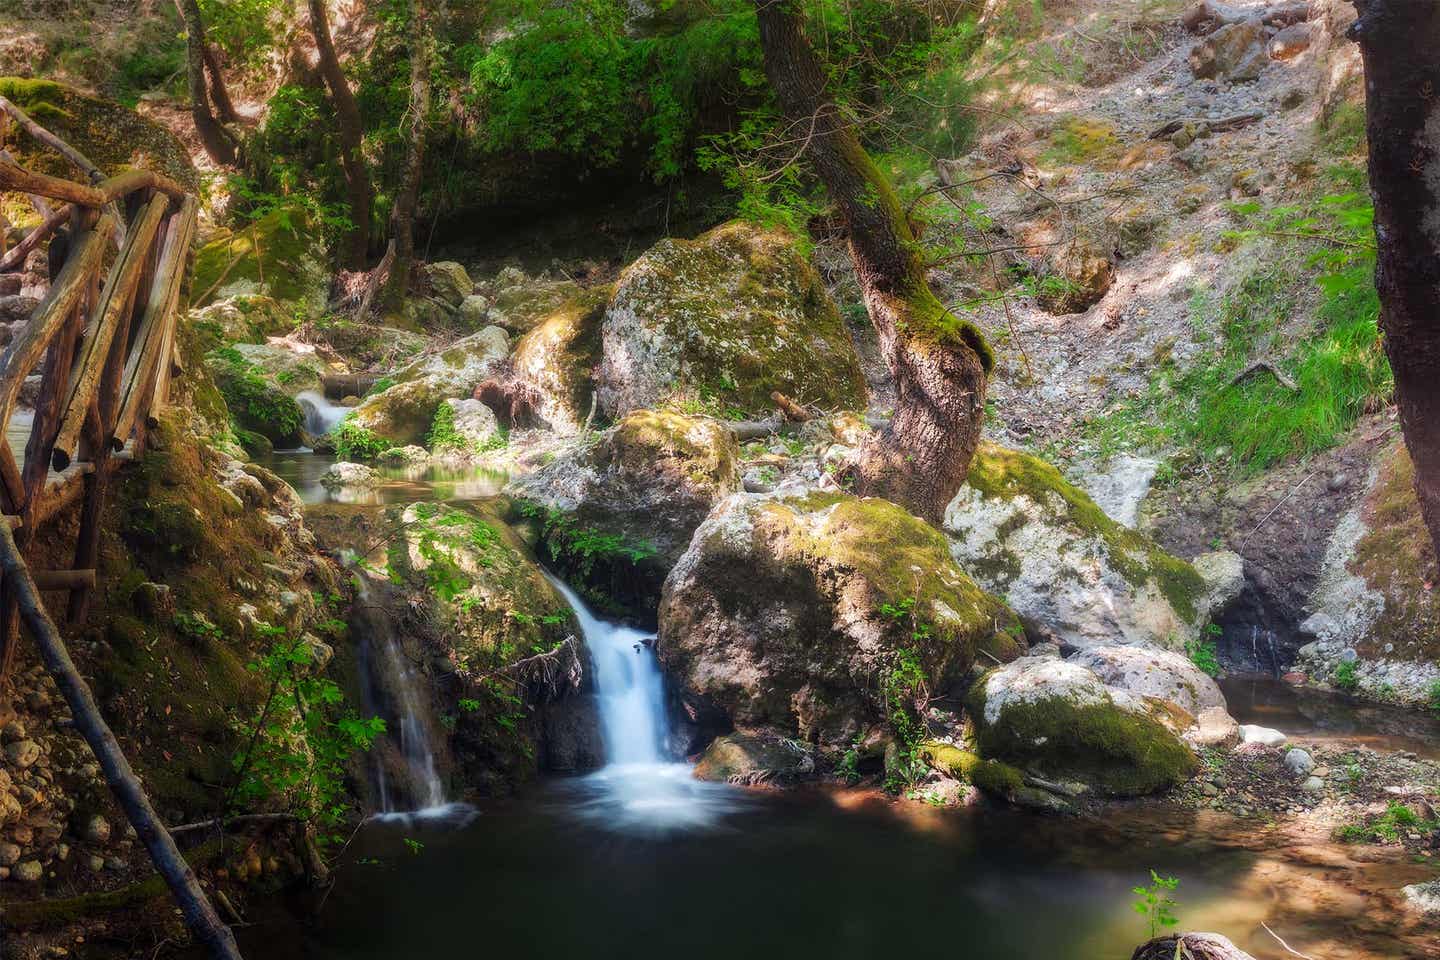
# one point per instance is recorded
(160, 392)
(15, 257)
(12, 484)
(63, 579)
(117, 298)
(53, 142)
(204, 923)
(1216, 124)
(41, 207)
(15, 177)
(1190, 946)
(790, 409)
(25, 350)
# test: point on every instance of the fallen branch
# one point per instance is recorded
(1216, 124)
(792, 410)
(1288, 949)
(376, 276)
(15, 257)
(1280, 376)
(240, 820)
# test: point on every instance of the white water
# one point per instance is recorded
(321, 416)
(639, 788)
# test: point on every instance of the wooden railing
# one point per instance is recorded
(105, 332)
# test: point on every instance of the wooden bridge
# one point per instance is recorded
(103, 338)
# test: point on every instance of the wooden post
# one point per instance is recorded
(199, 913)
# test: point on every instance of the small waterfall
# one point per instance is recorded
(321, 416)
(640, 788)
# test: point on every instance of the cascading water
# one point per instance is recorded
(639, 787)
(321, 416)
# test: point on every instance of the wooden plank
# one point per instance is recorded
(204, 923)
(59, 362)
(100, 332)
(159, 396)
(15, 177)
(26, 349)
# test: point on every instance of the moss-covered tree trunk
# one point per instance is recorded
(216, 141)
(403, 218)
(1400, 42)
(351, 132)
(940, 363)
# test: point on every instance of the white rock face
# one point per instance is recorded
(1424, 897)
(475, 424)
(1121, 486)
(1265, 736)
(1074, 574)
(1148, 672)
(346, 474)
(1031, 679)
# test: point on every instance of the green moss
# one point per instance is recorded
(1006, 474)
(41, 99)
(276, 253)
(354, 442)
(254, 403)
(1121, 753)
(997, 779)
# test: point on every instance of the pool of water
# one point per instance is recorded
(302, 469)
(850, 875)
(1331, 718)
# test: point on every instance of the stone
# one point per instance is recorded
(9, 854)
(750, 760)
(281, 256)
(95, 828)
(1313, 785)
(94, 863)
(1235, 52)
(1148, 672)
(519, 303)
(1298, 763)
(1121, 486)
(12, 731)
(473, 311)
(555, 361)
(775, 620)
(1291, 41)
(28, 871)
(1423, 897)
(1265, 736)
(1074, 574)
(241, 319)
(22, 754)
(343, 474)
(725, 319)
(650, 480)
(1060, 719)
(1214, 727)
(448, 282)
(471, 428)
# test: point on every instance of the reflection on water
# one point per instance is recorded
(1333, 718)
(302, 469)
(820, 875)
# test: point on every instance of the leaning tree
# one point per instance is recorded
(350, 130)
(1400, 43)
(940, 362)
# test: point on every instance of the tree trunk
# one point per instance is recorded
(347, 117)
(940, 363)
(1398, 40)
(403, 219)
(219, 93)
(1194, 946)
(213, 137)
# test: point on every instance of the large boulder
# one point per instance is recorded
(519, 304)
(619, 512)
(404, 412)
(257, 398)
(1235, 52)
(1159, 674)
(1022, 531)
(788, 613)
(281, 256)
(1060, 720)
(555, 361)
(448, 282)
(241, 319)
(725, 319)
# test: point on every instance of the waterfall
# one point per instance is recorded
(628, 685)
(640, 788)
(321, 416)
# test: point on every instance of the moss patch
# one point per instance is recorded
(278, 255)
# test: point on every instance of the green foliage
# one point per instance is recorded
(1201, 651)
(1218, 409)
(1346, 675)
(245, 29)
(1387, 827)
(905, 694)
(197, 628)
(1432, 694)
(1154, 903)
(444, 436)
(297, 744)
(254, 403)
(354, 442)
(151, 68)
(581, 548)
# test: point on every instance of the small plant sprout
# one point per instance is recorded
(1155, 904)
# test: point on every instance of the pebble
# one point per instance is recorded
(94, 864)
(22, 753)
(1299, 762)
(96, 829)
(1313, 785)
(9, 854)
(29, 872)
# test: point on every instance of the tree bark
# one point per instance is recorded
(940, 363)
(219, 92)
(403, 219)
(347, 118)
(1398, 41)
(213, 137)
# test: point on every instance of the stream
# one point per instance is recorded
(639, 860)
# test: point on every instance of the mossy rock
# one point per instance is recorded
(254, 401)
(556, 361)
(617, 512)
(787, 611)
(751, 759)
(281, 256)
(723, 321)
(1072, 572)
(242, 319)
(1061, 719)
(520, 304)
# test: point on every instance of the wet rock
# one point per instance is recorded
(1298, 763)
(1424, 897)
(448, 282)
(572, 739)
(1060, 719)
(1236, 51)
(470, 430)
(775, 617)
(554, 362)
(727, 318)
(1075, 575)
(1264, 736)
(346, 474)
(751, 760)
